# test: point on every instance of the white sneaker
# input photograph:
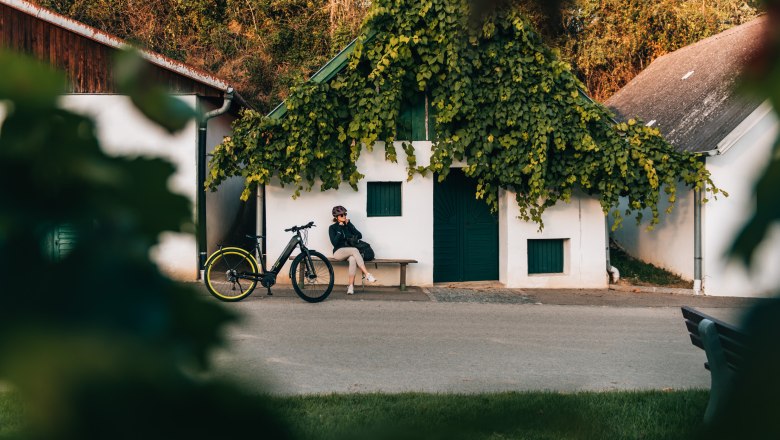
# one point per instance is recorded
(370, 278)
(350, 290)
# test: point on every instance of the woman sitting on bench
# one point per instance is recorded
(340, 232)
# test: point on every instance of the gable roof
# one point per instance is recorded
(690, 94)
(113, 42)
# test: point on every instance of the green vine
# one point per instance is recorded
(504, 103)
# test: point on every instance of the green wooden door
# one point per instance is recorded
(465, 233)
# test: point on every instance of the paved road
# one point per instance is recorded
(285, 346)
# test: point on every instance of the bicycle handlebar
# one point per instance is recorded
(298, 228)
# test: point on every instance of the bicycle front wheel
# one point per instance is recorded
(225, 271)
(312, 278)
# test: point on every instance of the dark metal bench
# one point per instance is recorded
(725, 347)
(377, 261)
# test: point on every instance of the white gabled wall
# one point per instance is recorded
(670, 243)
(579, 223)
(411, 236)
(407, 236)
(736, 171)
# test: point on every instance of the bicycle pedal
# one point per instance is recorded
(269, 293)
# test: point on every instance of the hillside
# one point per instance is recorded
(265, 46)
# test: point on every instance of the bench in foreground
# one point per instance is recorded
(725, 346)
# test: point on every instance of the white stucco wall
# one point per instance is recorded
(580, 223)
(670, 243)
(411, 235)
(407, 236)
(736, 171)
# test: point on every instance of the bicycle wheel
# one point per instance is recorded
(223, 274)
(312, 282)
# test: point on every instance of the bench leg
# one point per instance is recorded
(403, 277)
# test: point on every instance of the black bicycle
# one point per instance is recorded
(231, 273)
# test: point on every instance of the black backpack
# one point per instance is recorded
(364, 248)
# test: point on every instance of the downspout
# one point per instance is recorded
(611, 270)
(697, 202)
(697, 241)
(201, 226)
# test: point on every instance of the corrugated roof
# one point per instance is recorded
(690, 94)
(117, 43)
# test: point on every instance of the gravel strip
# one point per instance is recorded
(484, 296)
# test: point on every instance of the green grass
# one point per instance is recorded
(639, 273)
(537, 415)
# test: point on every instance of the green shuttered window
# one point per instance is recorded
(412, 120)
(545, 256)
(384, 199)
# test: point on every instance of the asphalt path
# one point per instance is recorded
(285, 346)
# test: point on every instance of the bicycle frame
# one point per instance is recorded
(247, 266)
(295, 241)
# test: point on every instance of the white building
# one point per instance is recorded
(453, 236)
(86, 55)
(690, 96)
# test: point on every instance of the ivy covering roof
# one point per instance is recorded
(504, 103)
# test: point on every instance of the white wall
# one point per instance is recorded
(123, 130)
(736, 172)
(411, 235)
(670, 244)
(408, 236)
(580, 223)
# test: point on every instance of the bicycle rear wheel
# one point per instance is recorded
(223, 274)
(313, 279)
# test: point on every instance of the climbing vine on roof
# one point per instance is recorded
(504, 104)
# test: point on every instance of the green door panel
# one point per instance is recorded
(465, 233)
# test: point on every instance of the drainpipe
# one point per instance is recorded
(202, 125)
(697, 241)
(611, 270)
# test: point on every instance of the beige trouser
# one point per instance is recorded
(354, 257)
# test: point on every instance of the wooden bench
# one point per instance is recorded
(725, 347)
(377, 261)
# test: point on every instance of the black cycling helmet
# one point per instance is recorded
(338, 210)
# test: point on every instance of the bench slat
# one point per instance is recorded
(376, 260)
(733, 342)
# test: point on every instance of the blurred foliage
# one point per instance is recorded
(135, 78)
(753, 408)
(99, 344)
(503, 101)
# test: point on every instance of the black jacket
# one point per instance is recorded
(340, 233)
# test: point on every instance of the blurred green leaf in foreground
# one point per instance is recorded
(99, 344)
(754, 405)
